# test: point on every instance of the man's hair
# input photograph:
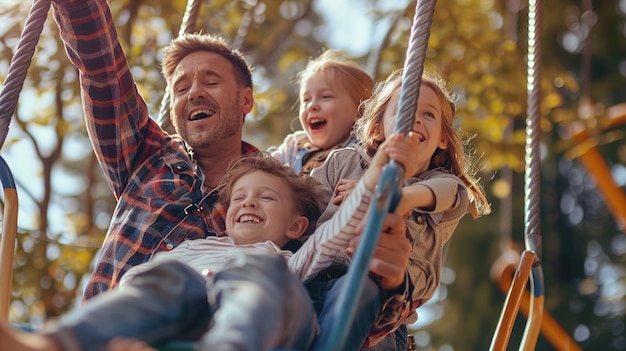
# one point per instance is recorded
(188, 43)
(306, 191)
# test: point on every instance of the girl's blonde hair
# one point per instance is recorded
(369, 130)
(338, 71)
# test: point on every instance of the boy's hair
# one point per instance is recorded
(307, 192)
(454, 158)
(338, 71)
(188, 43)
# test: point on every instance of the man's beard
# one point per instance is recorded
(228, 125)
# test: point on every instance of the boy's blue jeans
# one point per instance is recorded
(254, 304)
(325, 290)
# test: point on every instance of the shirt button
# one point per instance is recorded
(420, 220)
(169, 246)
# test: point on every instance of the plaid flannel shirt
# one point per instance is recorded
(159, 189)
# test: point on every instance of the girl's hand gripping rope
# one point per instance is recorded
(391, 255)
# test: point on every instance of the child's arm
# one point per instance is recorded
(415, 196)
(318, 251)
(436, 194)
(398, 147)
(287, 152)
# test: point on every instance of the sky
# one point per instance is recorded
(353, 33)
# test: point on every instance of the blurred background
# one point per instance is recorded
(478, 46)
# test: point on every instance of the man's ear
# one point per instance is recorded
(297, 227)
(248, 100)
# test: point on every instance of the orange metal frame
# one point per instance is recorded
(593, 161)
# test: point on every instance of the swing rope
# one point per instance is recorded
(18, 68)
(388, 191)
(187, 26)
(532, 193)
(529, 269)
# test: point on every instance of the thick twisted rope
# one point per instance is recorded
(532, 177)
(533, 134)
(20, 62)
(414, 66)
(187, 26)
(389, 187)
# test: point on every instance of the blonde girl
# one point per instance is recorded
(331, 91)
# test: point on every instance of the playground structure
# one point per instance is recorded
(529, 264)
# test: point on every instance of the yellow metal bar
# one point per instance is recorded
(511, 305)
(7, 250)
(535, 316)
(502, 273)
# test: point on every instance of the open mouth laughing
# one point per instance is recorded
(248, 218)
(316, 123)
(201, 114)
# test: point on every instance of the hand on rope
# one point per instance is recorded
(399, 148)
(391, 256)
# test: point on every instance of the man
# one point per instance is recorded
(165, 185)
